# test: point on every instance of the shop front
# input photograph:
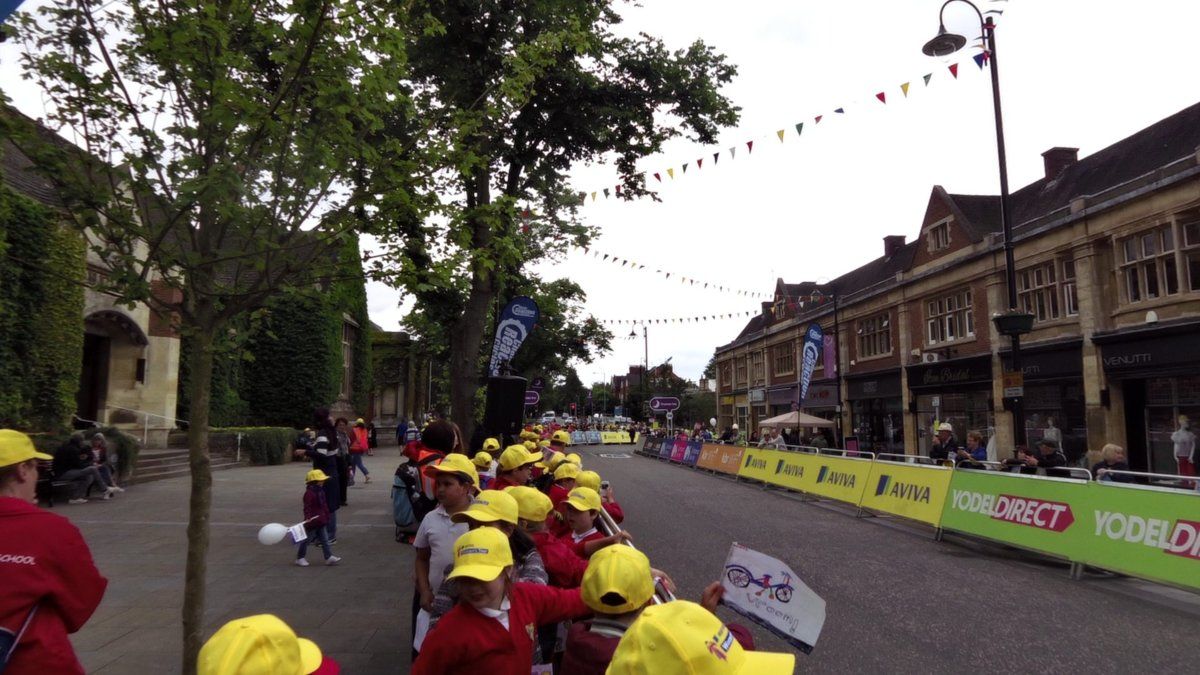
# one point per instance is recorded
(780, 400)
(958, 391)
(1157, 369)
(1054, 401)
(875, 401)
(821, 400)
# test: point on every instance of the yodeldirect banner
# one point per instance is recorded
(814, 340)
(1148, 532)
(516, 321)
(1033, 512)
(915, 491)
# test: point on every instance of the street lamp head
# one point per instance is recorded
(944, 44)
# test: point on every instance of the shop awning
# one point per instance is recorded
(796, 419)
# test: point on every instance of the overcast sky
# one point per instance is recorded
(1073, 73)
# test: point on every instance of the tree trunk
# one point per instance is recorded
(464, 352)
(200, 505)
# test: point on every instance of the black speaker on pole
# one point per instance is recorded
(505, 407)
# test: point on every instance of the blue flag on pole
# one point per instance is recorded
(516, 322)
(814, 339)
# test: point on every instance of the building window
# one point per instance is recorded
(1148, 268)
(874, 336)
(348, 338)
(725, 373)
(741, 371)
(1191, 250)
(784, 361)
(939, 237)
(756, 367)
(1069, 296)
(1037, 291)
(949, 318)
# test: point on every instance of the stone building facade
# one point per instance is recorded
(1107, 252)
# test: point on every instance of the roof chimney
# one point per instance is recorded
(892, 244)
(1057, 159)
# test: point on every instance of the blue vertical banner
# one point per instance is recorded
(516, 322)
(7, 7)
(814, 341)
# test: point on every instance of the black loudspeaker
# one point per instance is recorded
(505, 407)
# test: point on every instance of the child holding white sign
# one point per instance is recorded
(316, 517)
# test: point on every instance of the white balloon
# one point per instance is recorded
(712, 422)
(272, 533)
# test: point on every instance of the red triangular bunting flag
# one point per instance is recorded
(817, 119)
(749, 146)
(954, 70)
(700, 163)
(658, 177)
(882, 97)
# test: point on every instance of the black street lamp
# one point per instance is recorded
(1013, 322)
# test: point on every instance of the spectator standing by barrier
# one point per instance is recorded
(617, 586)
(1048, 457)
(455, 479)
(516, 463)
(51, 586)
(591, 479)
(975, 452)
(583, 505)
(947, 446)
(1113, 459)
(563, 566)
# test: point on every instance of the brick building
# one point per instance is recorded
(1108, 261)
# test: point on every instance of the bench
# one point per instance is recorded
(46, 485)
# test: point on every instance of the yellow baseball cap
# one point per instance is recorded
(543, 443)
(588, 479)
(482, 460)
(560, 436)
(360, 421)
(617, 580)
(532, 504)
(481, 554)
(575, 459)
(556, 458)
(566, 470)
(489, 506)
(16, 447)
(517, 456)
(683, 637)
(584, 499)
(455, 463)
(315, 476)
(490, 444)
(530, 444)
(258, 645)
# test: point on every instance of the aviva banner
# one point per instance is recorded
(614, 437)
(915, 491)
(838, 478)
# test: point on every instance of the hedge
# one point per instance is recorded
(262, 445)
(41, 315)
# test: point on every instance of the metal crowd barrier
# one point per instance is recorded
(609, 527)
(1176, 481)
(911, 459)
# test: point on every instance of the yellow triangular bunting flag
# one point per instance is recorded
(671, 173)
(593, 196)
(780, 135)
(904, 88)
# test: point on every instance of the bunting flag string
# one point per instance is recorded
(981, 59)
(686, 280)
(676, 319)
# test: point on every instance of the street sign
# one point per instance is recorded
(538, 384)
(664, 403)
(1014, 384)
(670, 416)
(532, 397)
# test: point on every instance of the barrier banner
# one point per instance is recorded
(665, 448)
(636, 437)
(1143, 531)
(915, 491)
(758, 464)
(614, 437)
(840, 478)
(678, 450)
(693, 452)
(650, 447)
(1033, 512)
(592, 437)
(578, 438)
(719, 457)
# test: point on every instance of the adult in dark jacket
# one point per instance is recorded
(323, 453)
(947, 446)
(1049, 457)
(51, 585)
(1113, 460)
(73, 463)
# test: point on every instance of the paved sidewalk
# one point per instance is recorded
(357, 611)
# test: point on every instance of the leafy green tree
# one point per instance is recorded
(710, 371)
(220, 149)
(518, 93)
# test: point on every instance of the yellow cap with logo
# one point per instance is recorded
(565, 471)
(588, 479)
(489, 506)
(481, 554)
(530, 445)
(543, 443)
(683, 637)
(457, 464)
(584, 499)
(315, 476)
(482, 460)
(490, 444)
(561, 437)
(617, 580)
(575, 459)
(532, 504)
(517, 456)
(258, 645)
(16, 447)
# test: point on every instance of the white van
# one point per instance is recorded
(547, 417)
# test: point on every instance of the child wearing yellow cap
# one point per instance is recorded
(262, 644)
(485, 467)
(583, 505)
(515, 466)
(316, 519)
(492, 629)
(455, 479)
(591, 479)
(564, 567)
(617, 586)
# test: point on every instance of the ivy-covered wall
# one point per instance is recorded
(41, 315)
(276, 369)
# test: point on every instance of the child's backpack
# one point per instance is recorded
(410, 503)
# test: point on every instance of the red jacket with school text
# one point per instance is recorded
(44, 562)
(467, 642)
(563, 566)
